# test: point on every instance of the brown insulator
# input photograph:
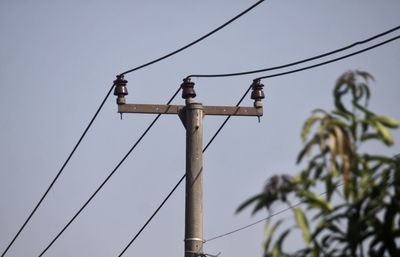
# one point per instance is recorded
(187, 89)
(120, 89)
(257, 94)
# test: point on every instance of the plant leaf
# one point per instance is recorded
(384, 133)
(308, 125)
(270, 234)
(250, 201)
(388, 121)
(316, 201)
(303, 224)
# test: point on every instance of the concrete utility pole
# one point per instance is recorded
(192, 115)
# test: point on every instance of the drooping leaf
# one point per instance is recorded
(307, 149)
(384, 133)
(367, 92)
(365, 75)
(369, 136)
(315, 201)
(345, 115)
(340, 140)
(332, 145)
(271, 233)
(303, 224)
(387, 121)
(250, 201)
(277, 250)
(308, 125)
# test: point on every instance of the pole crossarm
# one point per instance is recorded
(176, 109)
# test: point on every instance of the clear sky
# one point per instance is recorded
(59, 58)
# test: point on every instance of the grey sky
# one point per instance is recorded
(59, 58)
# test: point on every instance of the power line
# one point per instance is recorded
(180, 180)
(330, 61)
(58, 174)
(251, 224)
(361, 42)
(197, 40)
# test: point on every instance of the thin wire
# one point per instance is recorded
(197, 40)
(296, 62)
(330, 61)
(180, 180)
(252, 224)
(261, 220)
(59, 173)
(108, 177)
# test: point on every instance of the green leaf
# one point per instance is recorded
(307, 149)
(308, 125)
(316, 201)
(367, 92)
(251, 200)
(315, 252)
(388, 121)
(384, 133)
(271, 234)
(345, 115)
(277, 250)
(369, 136)
(303, 224)
(365, 75)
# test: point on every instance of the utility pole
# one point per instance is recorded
(191, 115)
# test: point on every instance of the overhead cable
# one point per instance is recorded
(197, 40)
(251, 224)
(58, 173)
(361, 42)
(330, 61)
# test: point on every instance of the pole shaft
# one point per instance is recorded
(194, 179)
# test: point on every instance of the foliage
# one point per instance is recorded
(359, 213)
